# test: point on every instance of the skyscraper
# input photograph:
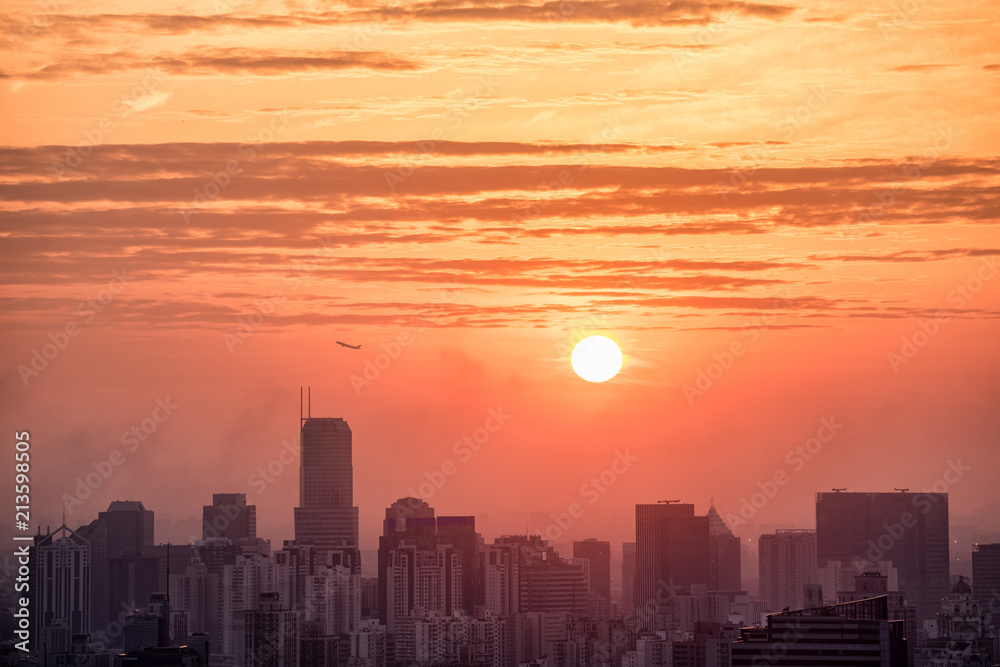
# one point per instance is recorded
(724, 548)
(787, 562)
(426, 562)
(62, 576)
(122, 575)
(326, 516)
(672, 550)
(598, 553)
(628, 576)
(229, 516)
(860, 530)
(986, 578)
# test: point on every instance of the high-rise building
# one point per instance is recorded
(426, 562)
(672, 550)
(326, 516)
(724, 547)
(62, 598)
(861, 530)
(229, 516)
(268, 634)
(628, 576)
(123, 532)
(598, 553)
(787, 562)
(986, 578)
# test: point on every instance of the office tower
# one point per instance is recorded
(268, 634)
(62, 599)
(598, 553)
(123, 531)
(229, 516)
(724, 547)
(787, 562)
(910, 530)
(875, 584)
(628, 576)
(986, 578)
(672, 551)
(326, 516)
(851, 634)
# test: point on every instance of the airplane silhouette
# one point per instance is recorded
(353, 347)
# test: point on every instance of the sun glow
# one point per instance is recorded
(596, 359)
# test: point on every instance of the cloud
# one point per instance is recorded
(231, 61)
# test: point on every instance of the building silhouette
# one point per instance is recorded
(852, 634)
(787, 563)
(986, 579)
(62, 579)
(724, 549)
(326, 516)
(598, 553)
(672, 550)
(858, 531)
(628, 576)
(229, 516)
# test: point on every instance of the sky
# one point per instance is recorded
(783, 212)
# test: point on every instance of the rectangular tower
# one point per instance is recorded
(910, 530)
(326, 516)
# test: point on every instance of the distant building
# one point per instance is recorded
(598, 552)
(672, 551)
(269, 635)
(628, 576)
(427, 563)
(229, 516)
(862, 530)
(63, 589)
(724, 549)
(961, 635)
(986, 579)
(787, 563)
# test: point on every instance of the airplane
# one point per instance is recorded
(353, 347)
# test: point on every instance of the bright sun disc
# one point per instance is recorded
(596, 359)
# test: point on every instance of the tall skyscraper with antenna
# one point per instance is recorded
(326, 517)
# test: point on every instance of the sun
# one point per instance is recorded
(596, 359)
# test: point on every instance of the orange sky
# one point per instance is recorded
(812, 186)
